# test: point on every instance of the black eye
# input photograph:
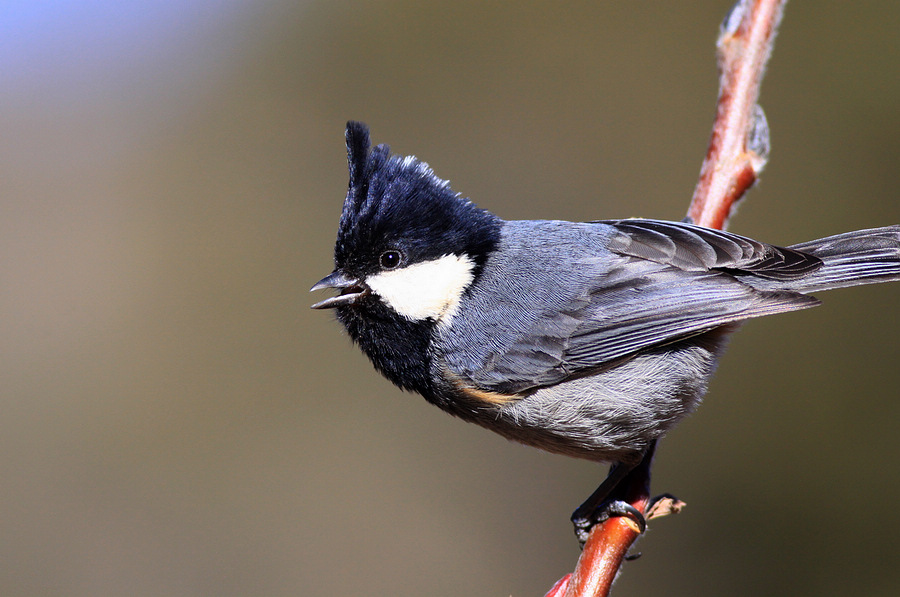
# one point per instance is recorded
(390, 259)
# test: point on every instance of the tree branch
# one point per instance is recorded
(739, 145)
(738, 151)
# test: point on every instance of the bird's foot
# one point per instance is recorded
(607, 510)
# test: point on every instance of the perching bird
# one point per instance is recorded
(585, 339)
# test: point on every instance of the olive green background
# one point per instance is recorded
(177, 421)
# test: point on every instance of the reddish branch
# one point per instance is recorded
(738, 150)
(739, 146)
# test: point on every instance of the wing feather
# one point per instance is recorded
(608, 290)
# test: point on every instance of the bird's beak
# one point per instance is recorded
(351, 290)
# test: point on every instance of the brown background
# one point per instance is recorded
(176, 421)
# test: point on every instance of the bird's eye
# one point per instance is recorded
(390, 259)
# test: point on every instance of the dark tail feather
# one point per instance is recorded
(852, 258)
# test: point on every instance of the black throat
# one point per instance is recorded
(399, 348)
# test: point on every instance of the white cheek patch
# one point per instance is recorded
(431, 289)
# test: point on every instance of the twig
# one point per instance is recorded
(739, 145)
(738, 150)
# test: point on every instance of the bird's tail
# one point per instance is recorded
(852, 258)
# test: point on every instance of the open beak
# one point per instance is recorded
(351, 290)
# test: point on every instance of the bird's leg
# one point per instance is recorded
(598, 507)
(611, 498)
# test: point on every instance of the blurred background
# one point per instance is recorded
(177, 421)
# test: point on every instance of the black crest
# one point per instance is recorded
(398, 202)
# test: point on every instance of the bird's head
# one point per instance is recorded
(406, 241)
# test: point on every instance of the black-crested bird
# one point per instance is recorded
(585, 339)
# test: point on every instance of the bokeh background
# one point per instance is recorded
(177, 421)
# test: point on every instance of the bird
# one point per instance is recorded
(586, 339)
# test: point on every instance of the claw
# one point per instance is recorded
(620, 508)
(583, 525)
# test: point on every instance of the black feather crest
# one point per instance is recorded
(357, 136)
(398, 202)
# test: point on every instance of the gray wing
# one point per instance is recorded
(611, 289)
(695, 248)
